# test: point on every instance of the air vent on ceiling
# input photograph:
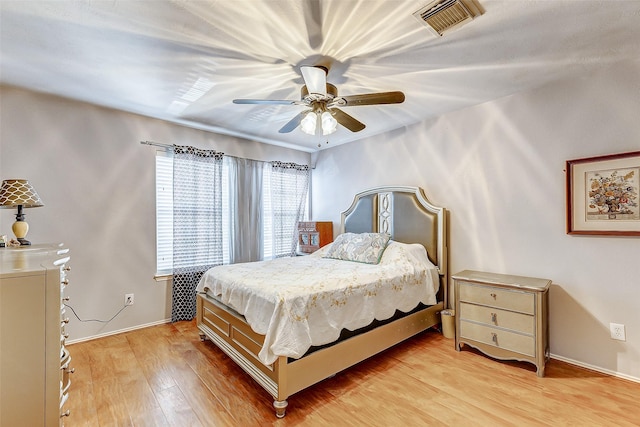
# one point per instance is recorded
(444, 15)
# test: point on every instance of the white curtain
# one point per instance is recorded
(197, 223)
(245, 209)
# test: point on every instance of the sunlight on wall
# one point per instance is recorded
(499, 170)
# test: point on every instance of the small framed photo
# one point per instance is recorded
(304, 239)
(603, 195)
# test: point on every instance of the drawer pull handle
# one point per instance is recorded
(494, 318)
(65, 282)
(493, 295)
(67, 369)
(494, 338)
(64, 321)
(65, 413)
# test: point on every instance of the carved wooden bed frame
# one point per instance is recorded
(403, 212)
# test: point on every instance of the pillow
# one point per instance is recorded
(363, 247)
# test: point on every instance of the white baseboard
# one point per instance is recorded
(119, 331)
(595, 368)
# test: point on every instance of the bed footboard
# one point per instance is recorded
(229, 331)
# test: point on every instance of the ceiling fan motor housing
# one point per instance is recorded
(332, 92)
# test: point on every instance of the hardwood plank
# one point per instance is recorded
(111, 406)
(151, 418)
(176, 408)
(204, 403)
(164, 376)
(81, 377)
(84, 413)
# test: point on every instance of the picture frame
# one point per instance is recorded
(603, 195)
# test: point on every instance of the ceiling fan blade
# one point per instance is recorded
(264, 101)
(369, 99)
(293, 123)
(346, 120)
(315, 78)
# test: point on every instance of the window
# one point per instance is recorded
(288, 180)
(278, 206)
(164, 213)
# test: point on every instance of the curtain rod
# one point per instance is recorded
(170, 146)
(157, 144)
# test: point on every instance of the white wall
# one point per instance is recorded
(98, 186)
(499, 169)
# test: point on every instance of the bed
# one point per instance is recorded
(287, 348)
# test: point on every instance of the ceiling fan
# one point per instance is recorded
(322, 101)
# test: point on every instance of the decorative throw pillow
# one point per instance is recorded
(362, 247)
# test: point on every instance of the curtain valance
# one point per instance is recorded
(186, 149)
(289, 165)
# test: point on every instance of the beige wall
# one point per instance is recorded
(98, 186)
(499, 169)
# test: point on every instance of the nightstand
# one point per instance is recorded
(504, 316)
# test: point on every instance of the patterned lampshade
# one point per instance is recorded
(18, 192)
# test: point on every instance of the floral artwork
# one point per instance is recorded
(613, 195)
(603, 195)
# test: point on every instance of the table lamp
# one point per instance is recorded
(19, 193)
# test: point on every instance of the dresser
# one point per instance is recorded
(312, 235)
(504, 316)
(35, 365)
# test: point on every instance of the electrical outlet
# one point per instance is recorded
(128, 299)
(617, 331)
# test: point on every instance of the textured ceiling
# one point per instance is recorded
(185, 61)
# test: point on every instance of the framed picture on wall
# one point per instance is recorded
(603, 195)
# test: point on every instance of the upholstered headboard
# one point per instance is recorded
(406, 214)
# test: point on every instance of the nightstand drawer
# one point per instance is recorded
(490, 316)
(524, 344)
(523, 302)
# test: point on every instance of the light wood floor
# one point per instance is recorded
(164, 376)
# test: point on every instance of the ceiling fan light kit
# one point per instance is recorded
(321, 99)
(308, 124)
(329, 124)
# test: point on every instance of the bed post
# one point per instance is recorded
(280, 401)
(281, 407)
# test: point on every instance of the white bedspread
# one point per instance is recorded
(306, 301)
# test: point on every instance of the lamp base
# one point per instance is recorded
(20, 229)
